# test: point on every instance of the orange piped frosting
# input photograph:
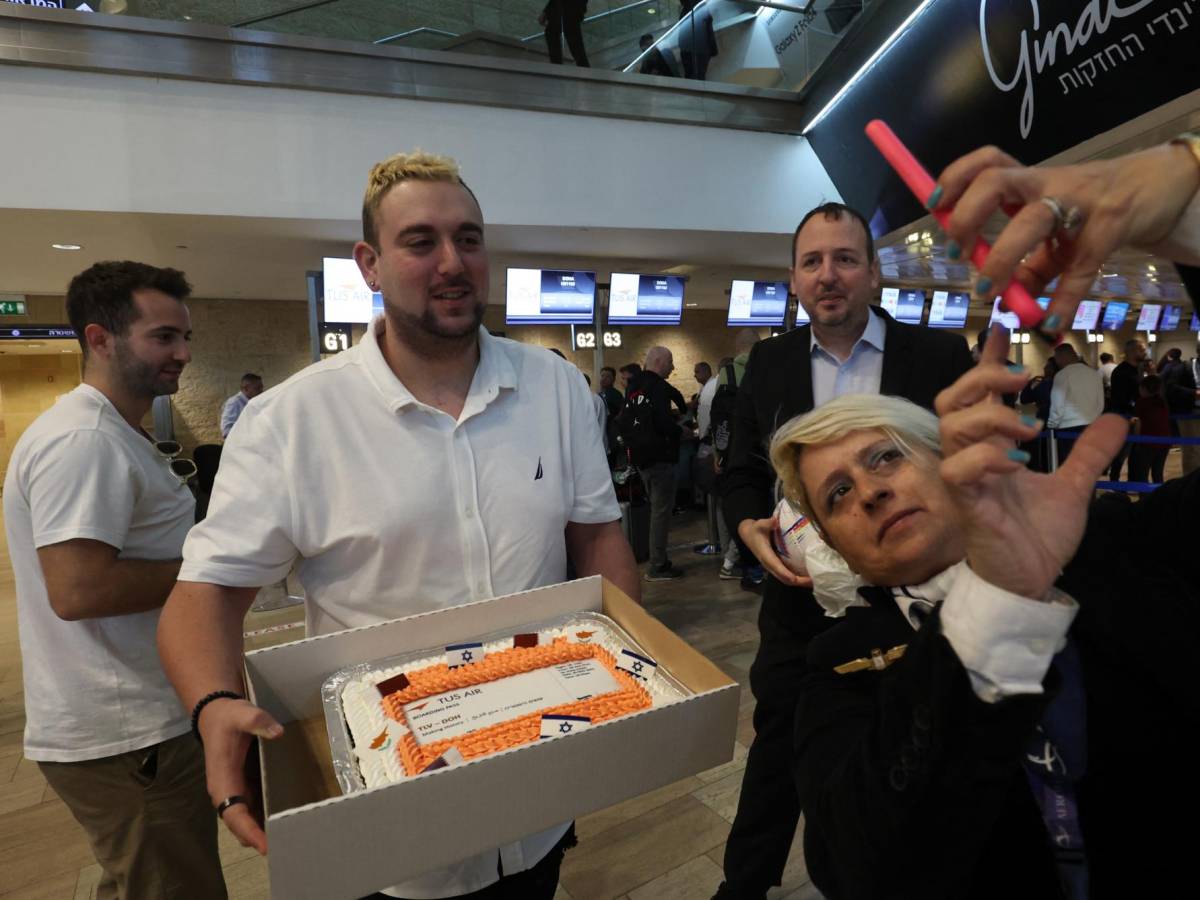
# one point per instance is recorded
(438, 679)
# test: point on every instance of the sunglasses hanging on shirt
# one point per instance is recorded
(183, 469)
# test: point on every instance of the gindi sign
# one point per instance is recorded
(1034, 77)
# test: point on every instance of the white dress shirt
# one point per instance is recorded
(390, 507)
(1106, 371)
(704, 406)
(1005, 642)
(1077, 398)
(862, 371)
(1182, 245)
(231, 410)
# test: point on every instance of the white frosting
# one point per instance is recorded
(363, 707)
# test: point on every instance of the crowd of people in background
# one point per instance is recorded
(1160, 399)
(987, 660)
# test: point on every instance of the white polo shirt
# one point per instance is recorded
(94, 687)
(390, 507)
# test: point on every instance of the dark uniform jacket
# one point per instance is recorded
(915, 787)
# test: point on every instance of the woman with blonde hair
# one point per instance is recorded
(982, 723)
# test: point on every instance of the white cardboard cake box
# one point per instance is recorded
(323, 844)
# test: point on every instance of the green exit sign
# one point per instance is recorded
(12, 307)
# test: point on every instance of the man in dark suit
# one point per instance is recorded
(850, 347)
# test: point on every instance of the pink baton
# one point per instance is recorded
(1014, 296)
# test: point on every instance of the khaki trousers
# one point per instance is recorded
(149, 820)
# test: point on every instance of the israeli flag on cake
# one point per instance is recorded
(638, 666)
(463, 654)
(553, 726)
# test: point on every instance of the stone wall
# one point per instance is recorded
(230, 338)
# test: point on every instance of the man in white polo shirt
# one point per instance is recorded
(96, 520)
(431, 465)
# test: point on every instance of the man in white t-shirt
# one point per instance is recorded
(96, 518)
(429, 466)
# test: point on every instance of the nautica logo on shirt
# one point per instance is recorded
(538, 474)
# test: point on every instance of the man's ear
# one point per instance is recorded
(99, 340)
(367, 258)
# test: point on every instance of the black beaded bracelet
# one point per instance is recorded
(203, 702)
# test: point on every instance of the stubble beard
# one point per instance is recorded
(428, 337)
(138, 377)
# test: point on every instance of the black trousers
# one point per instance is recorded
(695, 65)
(1146, 462)
(538, 883)
(769, 809)
(1114, 468)
(565, 18)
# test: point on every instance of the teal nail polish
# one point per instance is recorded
(1018, 455)
(935, 198)
(983, 286)
(1015, 369)
(953, 250)
(1029, 421)
(1051, 323)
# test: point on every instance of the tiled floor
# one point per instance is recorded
(665, 845)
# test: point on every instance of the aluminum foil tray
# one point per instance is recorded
(341, 744)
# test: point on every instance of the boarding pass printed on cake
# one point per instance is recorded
(435, 709)
(454, 713)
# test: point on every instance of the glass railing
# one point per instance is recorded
(762, 43)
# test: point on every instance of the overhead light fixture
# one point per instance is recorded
(865, 66)
(67, 246)
(1151, 267)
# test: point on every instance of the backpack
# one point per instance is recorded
(720, 422)
(635, 428)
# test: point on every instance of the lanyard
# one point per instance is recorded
(1055, 760)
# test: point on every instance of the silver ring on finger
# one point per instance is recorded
(1066, 219)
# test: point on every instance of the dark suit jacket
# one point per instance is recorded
(918, 362)
(1178, 386)
(915, 786)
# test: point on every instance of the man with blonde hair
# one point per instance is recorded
(440, 466)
